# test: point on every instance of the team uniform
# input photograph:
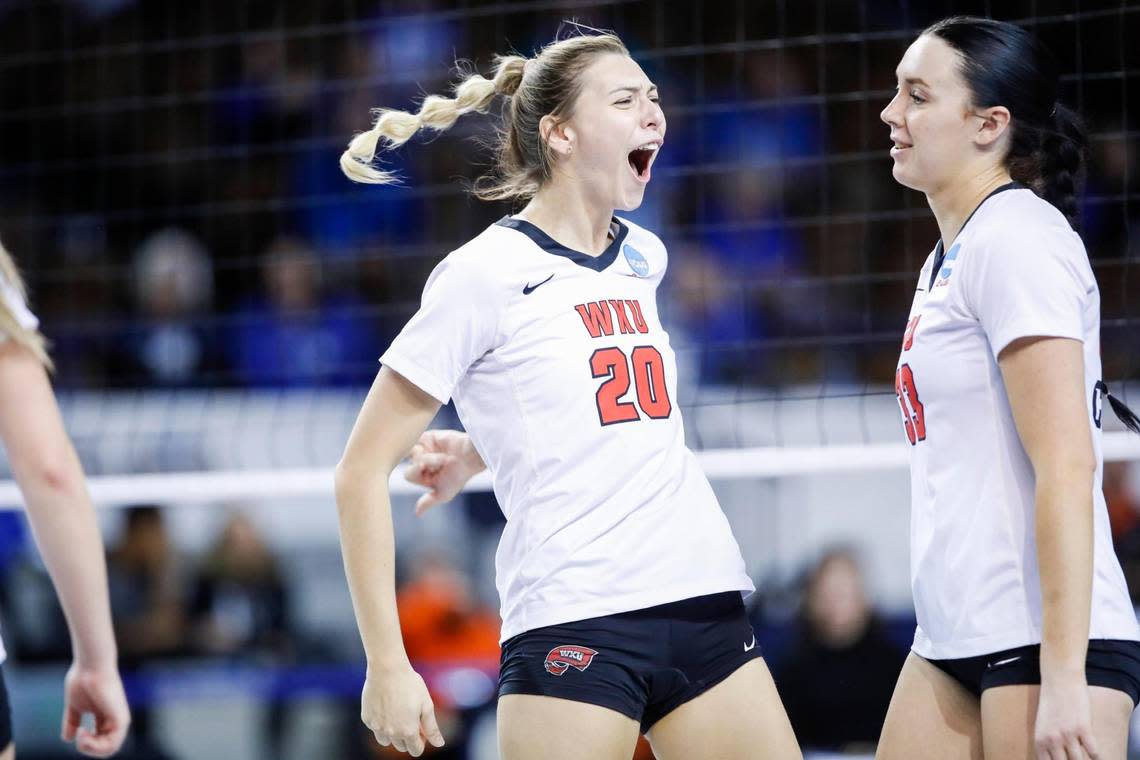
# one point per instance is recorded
(19, 309)
(566, 383)
(1015, 270)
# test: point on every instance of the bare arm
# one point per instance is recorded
(395, 704)
(59, 509)
(1044, 379)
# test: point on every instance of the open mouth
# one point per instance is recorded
(641, 159)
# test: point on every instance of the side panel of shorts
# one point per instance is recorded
(1110, 663)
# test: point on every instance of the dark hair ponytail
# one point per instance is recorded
(1004, 65)
(1063, 162)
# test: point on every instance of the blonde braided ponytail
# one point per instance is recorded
(475, 93)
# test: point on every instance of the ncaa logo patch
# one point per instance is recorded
(947, 266)
(636, 261)
(562, 658)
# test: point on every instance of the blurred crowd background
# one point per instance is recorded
(169, 185)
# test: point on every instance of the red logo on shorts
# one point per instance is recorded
(568, 656)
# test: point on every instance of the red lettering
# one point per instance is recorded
(596, 318)
(623, 321)
(638, 317)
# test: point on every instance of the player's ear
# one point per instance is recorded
(993, 123)
(557, 134)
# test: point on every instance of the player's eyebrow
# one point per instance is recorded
(913, 80)
(632, 88)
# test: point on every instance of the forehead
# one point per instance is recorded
(611, 70)
(930, 59)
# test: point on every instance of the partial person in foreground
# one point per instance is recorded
(45, 466)
(1027, 643)
(620, 581)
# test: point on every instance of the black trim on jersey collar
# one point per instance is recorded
(550, 245)
(940, 252)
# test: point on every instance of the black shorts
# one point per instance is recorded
(1112, 664)
(643, 663)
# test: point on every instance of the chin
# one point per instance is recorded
(902, 177)
(632, 202)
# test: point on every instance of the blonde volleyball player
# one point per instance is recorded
(619, 577)
(1027, 642)
(50, 477)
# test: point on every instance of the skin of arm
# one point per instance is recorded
(1044, 380)
(395, 702)
(59, 510)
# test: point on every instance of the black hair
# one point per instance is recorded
(1004, 65)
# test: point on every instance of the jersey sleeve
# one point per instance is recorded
(1029, 283)
(456, 324)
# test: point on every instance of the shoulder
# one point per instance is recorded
(640, 243)
(1019, 223)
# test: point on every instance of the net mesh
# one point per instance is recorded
(217, 293)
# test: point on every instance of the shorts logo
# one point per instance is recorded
(567, 656)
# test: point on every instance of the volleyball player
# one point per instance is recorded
(619, 577)
(1027, 643)
(50, 477)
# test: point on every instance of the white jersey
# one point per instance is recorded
(19, 308)
(566, 383)
(1015, 270)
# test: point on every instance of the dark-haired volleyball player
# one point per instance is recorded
(1027, 642)
(619, 577)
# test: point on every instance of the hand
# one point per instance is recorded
(100, 692)
(397, 708)
(442, 461)
(1063, 730)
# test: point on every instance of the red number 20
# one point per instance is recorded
(648, 375)
(914, 416)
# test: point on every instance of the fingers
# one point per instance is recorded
(71, 719)
(105, 740)
(1088, 742)
(424, 466)
(427, 501)
(410, 741)
(429, 726)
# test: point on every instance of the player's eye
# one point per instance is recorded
(916, 97)
(624, 101)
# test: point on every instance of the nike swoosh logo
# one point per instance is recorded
(531, 288)
(750, 647)
(1004, 662)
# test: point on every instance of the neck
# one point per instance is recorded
(953, 205)
(569, 216)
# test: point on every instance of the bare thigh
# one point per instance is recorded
(533, 726)
(741, 718)
(1010, 712)
(931, 716)
(9, 752)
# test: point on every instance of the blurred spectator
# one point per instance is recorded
(294, 335)
(148, 608)
(837, 681)
(1122, 500)
(239, 604)
(453, 641)
(147, 595)
(240, 608)
(168, 344)
(1122, 495)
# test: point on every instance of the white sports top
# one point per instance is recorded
(1015, 270)
(566, 383)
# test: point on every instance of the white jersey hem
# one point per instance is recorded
(615, 605)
